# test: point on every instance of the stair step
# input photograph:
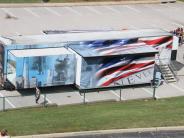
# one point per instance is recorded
(166, 75)
(169, 81)
(173, 79)
(164, 67)
(169, 78)
(166, 71)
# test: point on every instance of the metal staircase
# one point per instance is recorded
(168, 70)
(167, 73)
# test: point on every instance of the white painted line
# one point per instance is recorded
(178, 88)
(49, 101)
(73, 11)
(170, 7)
(153, 8)
(8, 12)
(133, 9)
(133, 27)
(52, 11)
(153, 25)
(177, 24)
(117, 95)
(17, 33)
(31, 12)
(150, 92)
(93, 10)
(112, 9)
(12, 105)
(82, 97)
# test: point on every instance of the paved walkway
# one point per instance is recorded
(105, 132)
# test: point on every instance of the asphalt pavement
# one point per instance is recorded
(33, 20)
(159, 134)
(28, 20)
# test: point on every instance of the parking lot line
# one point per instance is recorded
(112, 9)
(133, 9)
(133, 27)
(31, 12)
(169, 6)
(82, 97)
(52, 11)
(154, 26)
(73, 11)
(117, 95)
(150, 92)
(17, 33)
(6, 11)
(177, 24)
(93, 10)
(12, 105)
(178, 88)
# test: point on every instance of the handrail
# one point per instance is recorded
(160, 63)
(171, 67)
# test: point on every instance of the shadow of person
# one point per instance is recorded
(44, 102)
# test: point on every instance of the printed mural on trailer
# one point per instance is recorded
(111, 63)
(117, 71)
(120, 62)
(42, 71)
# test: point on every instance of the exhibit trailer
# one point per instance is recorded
(86, 59)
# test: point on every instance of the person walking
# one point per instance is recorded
(37, 94)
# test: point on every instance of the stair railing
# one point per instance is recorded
(160, 64)
(173, 70)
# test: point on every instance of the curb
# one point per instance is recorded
(15, 5)
(102, 132)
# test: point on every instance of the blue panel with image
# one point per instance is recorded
(45, 71)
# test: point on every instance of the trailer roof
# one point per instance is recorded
(40, 52)
(84, 36)
(86, 51)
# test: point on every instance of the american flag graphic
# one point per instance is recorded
(120, 59)
(115, 47)
(114, 69)
(158, 42)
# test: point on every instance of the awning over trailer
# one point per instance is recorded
(40, 52)
(112, 50)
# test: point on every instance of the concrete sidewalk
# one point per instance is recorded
(102, 132)
(10, 5)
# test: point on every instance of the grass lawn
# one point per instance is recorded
(99, 116)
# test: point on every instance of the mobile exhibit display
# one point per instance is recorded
(86, 59)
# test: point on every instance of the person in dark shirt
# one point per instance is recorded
(37, 94)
